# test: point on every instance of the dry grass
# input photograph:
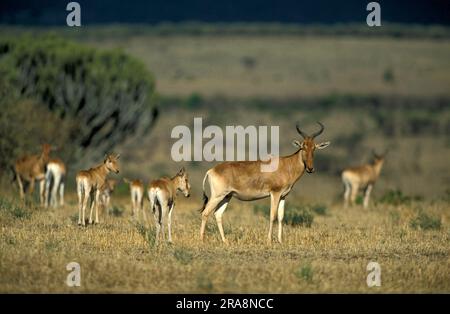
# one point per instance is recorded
(331, 256)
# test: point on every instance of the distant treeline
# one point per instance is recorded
(393, 115)
(242, 29)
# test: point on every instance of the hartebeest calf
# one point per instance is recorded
(54, 182)
(31, 168)
(105, 193)
(92, 181)
(137, 197)
(246, 181)
(162, 194)
(361, 177)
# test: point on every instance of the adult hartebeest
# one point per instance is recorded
(246, 181)
(361, 177)
(31, 168)
(92, 181)
(162, 194)
(54, 182)
(137, 197)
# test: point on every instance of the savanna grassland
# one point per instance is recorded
(331, 255)
(374, 92)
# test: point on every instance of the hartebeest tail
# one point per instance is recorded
(246, 181)
(361, 177)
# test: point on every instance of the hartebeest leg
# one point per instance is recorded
(280, 218)
(169, 223)
(210, 207)
(347, 192)
(87, 193)
(42, 192)
(367, 195)
(218, 214)
(47, 189)
(80, 201)
(97, 202)
(21, 191)
(61, 193)
(91, 211)
(274, 202)
(157, 211)
(53, 197)
(354, 193)
(31, 188)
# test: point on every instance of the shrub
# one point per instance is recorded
(396, 197)
(182, 255)
(108, 93)
(295, 216)
(305, 272)
(299, 217)
(425, 222)
(388, 75)
(116, 211)
(13, 209)
(320, 209)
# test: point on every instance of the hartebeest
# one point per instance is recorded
(361, 177)
(54, 182)
(105, 193)
(31, 168)
(137, 197)
(246, 181)
(92, 181)
(162, 194)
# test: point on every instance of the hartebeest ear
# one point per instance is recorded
(182, 171)
(296, 143)
(117, 156)
(322, 145)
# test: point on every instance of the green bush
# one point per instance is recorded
(116, 211)
(13, 209)
(305, 272)
(107, 94)
(424, 221)
(299, 217)
(182, 255)
(320, 209)
(396, 197)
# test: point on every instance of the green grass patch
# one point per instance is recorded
(423, 221)
(13, 209)
(305, 273)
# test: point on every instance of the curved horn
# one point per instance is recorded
(314, 135)
(303, 134)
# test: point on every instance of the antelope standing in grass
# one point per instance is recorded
(54, 182)
(105, 194)
(137, 197)
(162, 194)
(361, 177)
(246, 181)
(31, 168)
(92, 181)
